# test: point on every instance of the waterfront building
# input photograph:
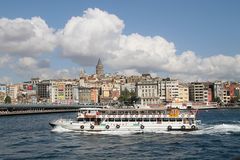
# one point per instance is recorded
(183, 93)
(43, 90)
(210, 95)
(12, 91)
(168, 90)
(115, 92)
(3, 91)
(198, 92)
(75, 92)
(99, 69)
(226, 96)
(94, 95)
(35, 80)
(218, 89)
(131, 87)
(106, 89)
(61, 92)
(148, 92)
(84, 95)
(68, 92)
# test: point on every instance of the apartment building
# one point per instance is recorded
(148, 92)
(168, 90)
(183, 91)
(198, 92)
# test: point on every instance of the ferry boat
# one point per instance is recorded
(131, 120)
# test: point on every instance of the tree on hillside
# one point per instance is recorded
(8, 100)
(128, 98)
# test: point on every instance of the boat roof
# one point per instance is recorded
(126, 109)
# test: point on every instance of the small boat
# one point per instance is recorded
(131, 120)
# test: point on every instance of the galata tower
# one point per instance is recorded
(99, 68)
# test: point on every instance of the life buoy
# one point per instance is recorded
(142, 126)
(82, 126)
(117, 126)
(169, 128)
(183, 128)
(107, 127)
(193, 127)
(92, 126)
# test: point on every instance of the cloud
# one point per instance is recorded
(95, 34)
(98, 33)
(27, 37)
(29, 63)
(4, 60)
(129, 72)
(28, 67)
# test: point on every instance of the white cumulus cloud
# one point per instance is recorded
(96, 33)
(26, 36)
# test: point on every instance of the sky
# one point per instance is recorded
(188, 40)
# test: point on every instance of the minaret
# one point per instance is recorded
(99, 68)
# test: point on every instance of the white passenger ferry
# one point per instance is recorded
(130, 120)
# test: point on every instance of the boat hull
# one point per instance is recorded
(122, 127)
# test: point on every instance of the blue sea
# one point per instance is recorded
(30, 137)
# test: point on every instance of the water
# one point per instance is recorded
(30, 137)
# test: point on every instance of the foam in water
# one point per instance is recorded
(60, 129)
(219, 129)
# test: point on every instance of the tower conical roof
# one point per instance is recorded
(99, 62)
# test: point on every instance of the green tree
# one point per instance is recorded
(217, 99)
(128, 98)
(8, 99)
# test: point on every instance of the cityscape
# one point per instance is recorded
(108, 88)
(119, 80)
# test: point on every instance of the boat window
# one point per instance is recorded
(106, 120)
(158, 112)
(179, 120)
(111, 119)
(141, 112)
(117, 120)
(172, 119)
(114, 112)
(150, 112)
(120, 112)
(146, 119)
(134, 112)
(124, 120)
(98, 119)
(126, 112)
(152, 119)
(132, 120)
(80, 119)
(87, 119)
(159, 119)
(139, 119)
(165, 119)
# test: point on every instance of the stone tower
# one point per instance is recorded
(99, 68)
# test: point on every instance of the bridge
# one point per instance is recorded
(22, 109)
